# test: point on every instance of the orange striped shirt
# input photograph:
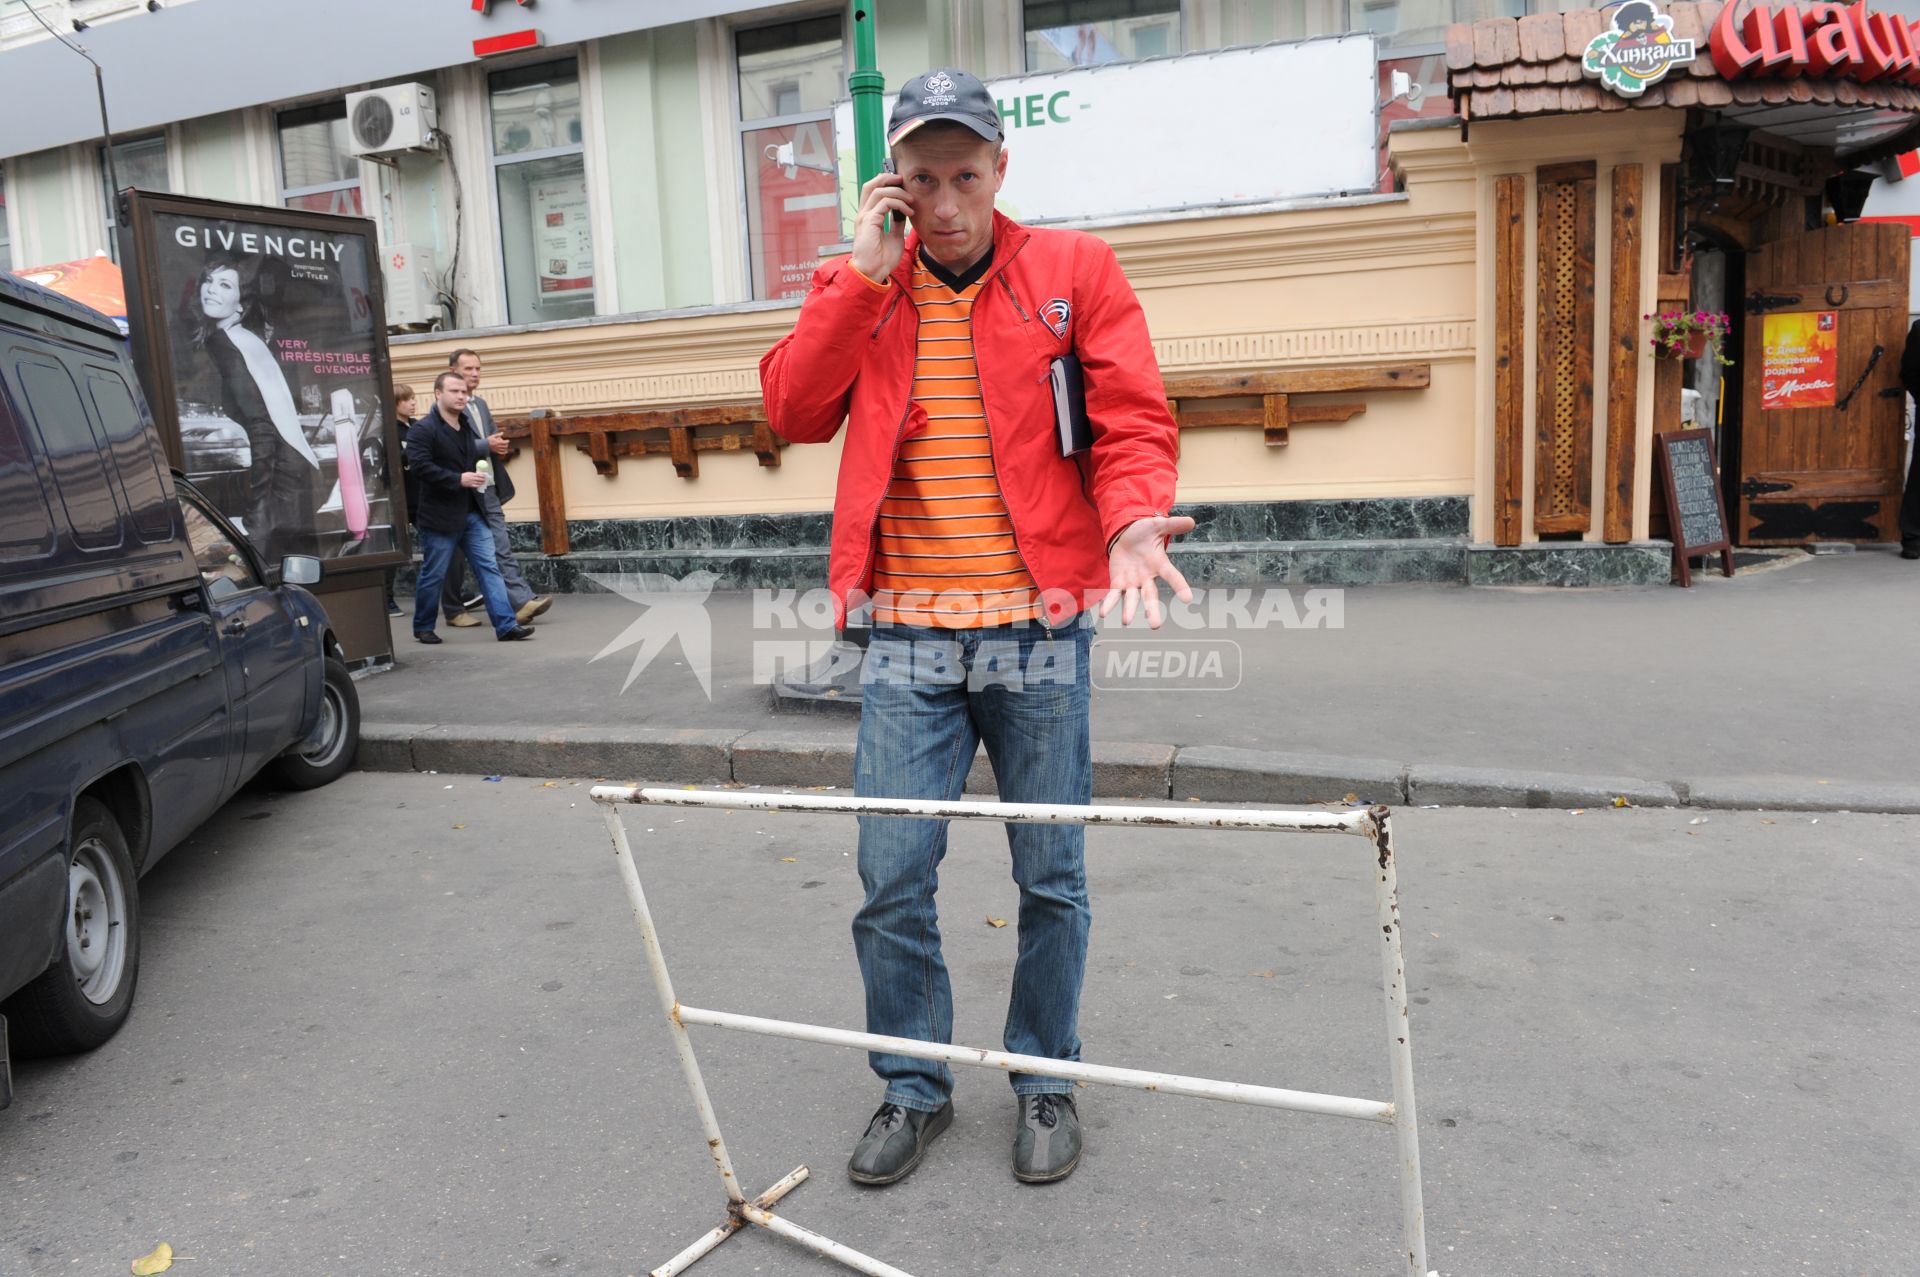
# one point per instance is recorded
(945, 554)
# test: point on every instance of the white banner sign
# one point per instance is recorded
(1283, 121)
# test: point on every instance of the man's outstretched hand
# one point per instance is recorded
(1138, 559)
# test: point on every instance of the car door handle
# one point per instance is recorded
(235, 626)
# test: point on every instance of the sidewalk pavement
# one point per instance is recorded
(1792, 687)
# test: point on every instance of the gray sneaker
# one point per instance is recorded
(1046, 1139)
(895, 1141)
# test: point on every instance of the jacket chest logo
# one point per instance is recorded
(1058, 313)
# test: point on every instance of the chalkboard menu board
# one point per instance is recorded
(1693, 499)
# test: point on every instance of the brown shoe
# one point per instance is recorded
(532, 607)
(463, 620)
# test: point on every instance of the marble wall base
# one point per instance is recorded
(1342, 542)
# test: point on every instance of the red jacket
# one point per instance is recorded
(850, 357)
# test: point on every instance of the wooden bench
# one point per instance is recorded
(1276, 413)
(740, 425)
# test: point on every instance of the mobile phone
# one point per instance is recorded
(886, 220)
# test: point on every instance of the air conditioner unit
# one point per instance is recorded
(399, 117)
(411, 286)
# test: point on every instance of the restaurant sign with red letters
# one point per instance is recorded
(1828, 41)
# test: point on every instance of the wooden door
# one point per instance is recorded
(1828, 470)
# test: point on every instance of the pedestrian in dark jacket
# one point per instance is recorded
(1910, 503)
(444, 455)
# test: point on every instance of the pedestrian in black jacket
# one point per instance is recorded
(447, 461)
(1910, 503)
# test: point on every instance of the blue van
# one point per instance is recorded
(150, 664)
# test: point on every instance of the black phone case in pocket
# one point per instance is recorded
(1068, 383)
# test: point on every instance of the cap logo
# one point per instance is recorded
(938, 91)
(1058, 313)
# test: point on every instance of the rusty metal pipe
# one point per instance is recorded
(1393, 979)
(814, 1242)
(663, 984)
(1311, 822)
(1103, 1074)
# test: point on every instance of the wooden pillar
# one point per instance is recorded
(1673, 294)
(1623, 353)
(1509, 343)
(554, 538)
(1563, 411)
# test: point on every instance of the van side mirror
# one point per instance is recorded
(300, 569)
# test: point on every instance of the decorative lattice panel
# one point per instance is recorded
(1563, 425)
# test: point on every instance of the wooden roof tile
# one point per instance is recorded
(1542, 38)
(1495, 41)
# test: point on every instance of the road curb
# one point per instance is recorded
(1121, 769)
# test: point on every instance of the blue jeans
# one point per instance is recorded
(929, 698)
(436, 552)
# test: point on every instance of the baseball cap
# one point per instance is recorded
(944, 94)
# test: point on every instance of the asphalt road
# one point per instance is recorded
(402, 1026)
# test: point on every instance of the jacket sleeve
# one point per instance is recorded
(806, 380)
(1132, 462)
(426, 465)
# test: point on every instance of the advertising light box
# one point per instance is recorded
(1240, 126)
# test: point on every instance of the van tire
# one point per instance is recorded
(58, 1013)
(339, 736)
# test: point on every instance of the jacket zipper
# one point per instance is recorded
(899, 432)
(1046, 622)
(885, 315)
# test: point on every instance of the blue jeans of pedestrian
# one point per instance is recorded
(436, 552)
(929, 698)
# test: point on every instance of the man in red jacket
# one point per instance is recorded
(982, 549)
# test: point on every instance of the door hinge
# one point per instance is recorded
(1759, 303)
(1754, 487)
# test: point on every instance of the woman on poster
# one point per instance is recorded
(254, 392)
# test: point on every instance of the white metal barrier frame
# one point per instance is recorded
(1372, 824)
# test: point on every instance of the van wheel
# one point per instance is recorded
(83, 998)
(337, 738)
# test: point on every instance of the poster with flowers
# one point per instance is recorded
(1800, 359)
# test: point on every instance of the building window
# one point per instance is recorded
(138, 162)
(540, 172)
(318, 170)
(1422, 24)
(1067, 33)
(789, 77)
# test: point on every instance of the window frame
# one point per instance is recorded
(496, 161)
(7, 240)
(111, 207)
(743, 126)
(286, 192)
(1183, 11)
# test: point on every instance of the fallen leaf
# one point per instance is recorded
(995, 922)
(156, 1261)
(1768, 820)
(1263, 975)
(1351, 798)
(549, 784)
(1620, 800)
(789, 860)
(459, 826)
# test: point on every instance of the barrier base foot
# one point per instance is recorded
(735, 1222)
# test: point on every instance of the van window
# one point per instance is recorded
(222, 566)
(26, 530)
(73, 450)
(132, 445)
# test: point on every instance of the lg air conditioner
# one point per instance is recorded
(399, 117)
